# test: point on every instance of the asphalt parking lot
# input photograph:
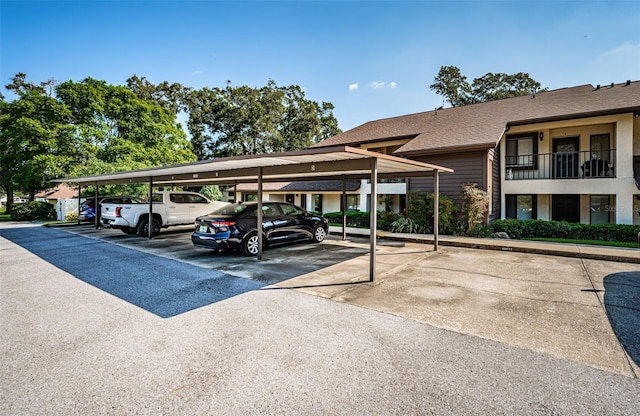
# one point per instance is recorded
(104, 323)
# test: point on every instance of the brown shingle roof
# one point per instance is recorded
(59, 192)
(481, 125)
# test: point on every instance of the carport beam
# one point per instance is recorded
(373, 218)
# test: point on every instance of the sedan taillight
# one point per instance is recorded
(223, 223)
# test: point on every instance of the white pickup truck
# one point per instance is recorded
(169, 208)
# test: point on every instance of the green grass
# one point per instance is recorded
(589, 242)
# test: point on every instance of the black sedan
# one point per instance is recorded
(234, 226)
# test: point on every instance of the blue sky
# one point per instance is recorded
(371, 59)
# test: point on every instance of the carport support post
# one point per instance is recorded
(95, 209)
(373, 217)
(150, 230)
(344, 207)
(436, 206)
(259, 219)
(79, 189)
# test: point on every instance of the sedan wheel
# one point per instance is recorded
(250, 244)
(319, 234)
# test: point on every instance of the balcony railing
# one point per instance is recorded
(565, 165)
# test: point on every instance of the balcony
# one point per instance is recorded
(566, 165)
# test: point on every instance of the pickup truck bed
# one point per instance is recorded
(169, 208)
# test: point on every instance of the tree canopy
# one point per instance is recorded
(240, 120)
(52, 130)
(453, 86)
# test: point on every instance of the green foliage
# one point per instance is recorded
(481, 231)
(521, 229)
(405, 225)
(120, 130)
(212, 192)
(242, 120)
(354, 218)
(36, 142)
(72, 216)
(474, 207)
(420, 210)
(362, 219)
(34, 210)
(386, 219)
(453, 86)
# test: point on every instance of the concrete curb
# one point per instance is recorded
(618, 254)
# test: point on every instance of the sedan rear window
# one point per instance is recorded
(230, 209)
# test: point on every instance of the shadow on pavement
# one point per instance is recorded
(622, 302)
(162, 286)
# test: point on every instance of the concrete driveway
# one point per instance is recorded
(459, 331)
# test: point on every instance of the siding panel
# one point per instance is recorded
(469, 167)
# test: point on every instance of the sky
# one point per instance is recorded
(370, 59)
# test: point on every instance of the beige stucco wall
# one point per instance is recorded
(625, 132)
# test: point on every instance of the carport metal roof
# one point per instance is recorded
(310, 164)
(331, 163)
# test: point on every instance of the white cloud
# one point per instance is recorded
(376, 85)
(625, 51)
(353, 87)
(197, 72)
(616, 65)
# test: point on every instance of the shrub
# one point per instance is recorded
(386, 219)
(474, 206)
(72, 216)
(420, 211)
(34, 210)
(404, 225)
(354, 218)
(519, 229)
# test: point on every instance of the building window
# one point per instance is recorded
(521, 151)
(600, 209)
(353, 203)
(317, 203)
(522, 207)
(249, 197)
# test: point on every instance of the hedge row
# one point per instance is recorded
(34, 210)
(519, 229)
(361, 219)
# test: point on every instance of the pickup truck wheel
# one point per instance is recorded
(250, 244)
(319, 234)
(129, 230)
(143, 228)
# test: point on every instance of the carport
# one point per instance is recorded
(331, 163)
